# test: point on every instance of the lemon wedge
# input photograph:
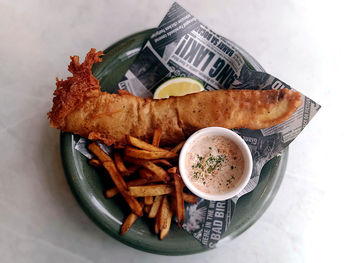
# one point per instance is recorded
(178, 87)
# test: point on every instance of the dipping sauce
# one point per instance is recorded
(214, 164)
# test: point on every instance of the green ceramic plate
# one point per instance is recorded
(108, 214)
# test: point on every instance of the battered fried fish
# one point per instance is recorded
(80, 107)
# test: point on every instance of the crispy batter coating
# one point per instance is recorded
(74, 91)
(81, 108)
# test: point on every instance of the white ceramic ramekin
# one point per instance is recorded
(247, 156)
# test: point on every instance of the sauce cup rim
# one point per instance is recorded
(242, 145)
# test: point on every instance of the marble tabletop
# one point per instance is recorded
(305, 43)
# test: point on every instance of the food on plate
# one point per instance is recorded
(165, 230)
(136, 153)
(162, 161)
(155, 169)
(95, 162)
(119, 182)
(129, 221)
(214, 164)
(163, 218)
(144, 145)
(148, 200)
(179, 199)
(147, 174)
(172, 170)
(80, 107)
(189, 198)
(157, 134)
(120, 164)
(111, 192)
(143, 171)
(114, 191)
(177, 87)
(178, 147)
(150, 190)
(146, 187)
(155, 206)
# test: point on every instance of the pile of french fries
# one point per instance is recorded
(147, 178)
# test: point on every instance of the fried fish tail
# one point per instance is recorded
(73, 92)
(80, 107)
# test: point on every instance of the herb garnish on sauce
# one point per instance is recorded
(215, 164)
(208, 165)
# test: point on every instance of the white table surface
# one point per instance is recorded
(305, 43)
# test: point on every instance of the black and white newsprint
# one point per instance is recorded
(183, 47)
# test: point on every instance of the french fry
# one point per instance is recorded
(168, 148)
(133, 169)
(94, 162)
(150, 190)
(115, 175)
(151, 177)
(148, 200)
(172, 170)
(162, 161)
(178, 147)
(111, 192)
(119, 145)
(108, 164)
(159, 201)
(114, 191)
(136, 182)
(147, 155)
(173, 202)
(120, 164)
(133, 203)
(143, 145)
(157, 222)
(101, 155)
(157, 134)
(122, 188)
(164, 232)
(146, 209)
(146, 174)
(155, 206)
(190, 198)
(180, 208)
(164, 213)
(157, 170)
(129, 221)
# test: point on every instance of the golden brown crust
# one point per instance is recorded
(72, 92)
(253, 109)
(80, 107)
